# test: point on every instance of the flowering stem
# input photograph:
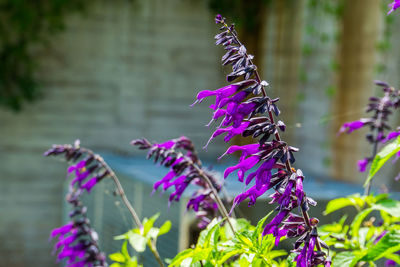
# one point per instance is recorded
(277, 136)
(221, 206)
(121, 192)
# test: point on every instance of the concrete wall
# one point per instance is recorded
(127, 69)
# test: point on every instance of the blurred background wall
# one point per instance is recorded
(127, 69)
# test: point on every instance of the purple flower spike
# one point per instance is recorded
(185, 169)
(393, 6)
(362, 164)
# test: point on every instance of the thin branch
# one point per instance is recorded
(121, 192)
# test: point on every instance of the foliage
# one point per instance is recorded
(366, 238)
(218, 246)
(25, 26)
(139, 238)
(384, 155)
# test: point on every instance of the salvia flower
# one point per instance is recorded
(245, 109)
(77, 241)
(184, 170)
(393, 6)
(381, 108)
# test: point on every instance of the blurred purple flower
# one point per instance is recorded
(349, 127)
(362, 164)
(393, 6)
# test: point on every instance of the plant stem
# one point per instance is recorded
(277, 136)
(221, 206)
(121, 192)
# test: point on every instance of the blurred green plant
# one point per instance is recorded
(367, 238)
(218, 246)
(26, 26)
(139, 239)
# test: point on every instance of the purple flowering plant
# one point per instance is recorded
(368, 238)
(265, 167)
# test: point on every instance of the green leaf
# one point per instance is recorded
(124, 250)
(388, 244)
(259, 227)
(229, 255)
(148, 223)
(336, 204)
(204, 233)
(118, 257)
(137, 241)
(388, 205)
(380, 159)
(344, 259)
(393, 257)
(356, 224)
(165, 228)
(181, 256)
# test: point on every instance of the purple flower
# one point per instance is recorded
(231, 132)
(252, 193)
(362, 164)
(391, 136)
(393, 6)
(89, 184)
(62, 230)
(243, 166)
(275, 222)
(349, 127)
(390, 263)
(299, 192)
(220, 94)
(246, 150)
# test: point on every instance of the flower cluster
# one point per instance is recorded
(185, 168)
(245, 109)
(381, 108)
(77, 241)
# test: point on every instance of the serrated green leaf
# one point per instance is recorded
(226, 256)
(380, 159)
(204, 233)
(259, 227)
(118, 257)
(165, 228)
(388, 244)
(115, 264)
(336, 204)
(201, 254)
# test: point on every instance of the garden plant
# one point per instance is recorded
(265, 167)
